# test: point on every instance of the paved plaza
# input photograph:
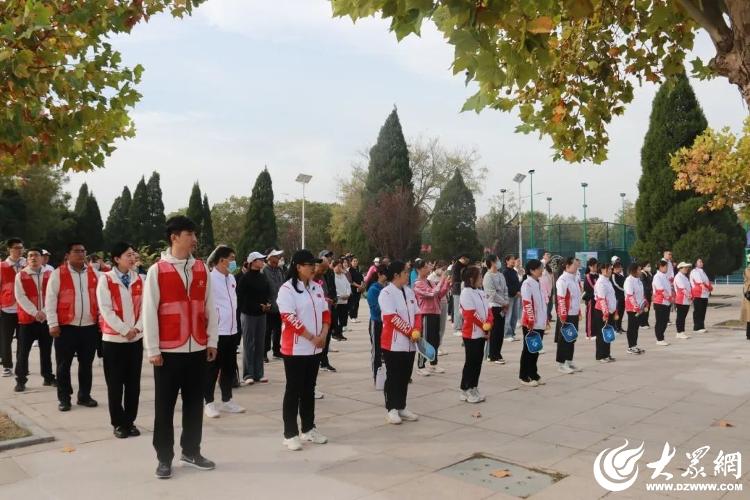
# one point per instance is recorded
(677, 394)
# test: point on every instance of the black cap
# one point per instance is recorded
(304, 257)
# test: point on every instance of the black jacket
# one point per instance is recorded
(252, 291)
(648, 283)
(511, 279)
(330, 278)
(456, 271)
(589, 280)
(618, 283)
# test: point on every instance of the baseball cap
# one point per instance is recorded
(615, 258)
(304, 257)
(684, 264)
(45, 252)
(275, 253)
(255, 256)
(325, 253)
(376, 260)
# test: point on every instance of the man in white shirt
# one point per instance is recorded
(8, 310)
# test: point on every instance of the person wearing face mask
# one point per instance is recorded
(646, 282)
(9, 268)
(119, 293)
(223, 263)
(605, 311)
(701, 289)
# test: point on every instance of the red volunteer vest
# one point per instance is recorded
(66, 297)
(136, 293)
(182, 315)
(32, 293)
(7, 284)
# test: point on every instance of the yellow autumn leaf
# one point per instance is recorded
(501, 473)
(543, 24)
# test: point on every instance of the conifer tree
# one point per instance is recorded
(195, 209)
(156, 221)
(207, 229)
(454, 221)
(118, 227)
(260, 220)
(138, 214)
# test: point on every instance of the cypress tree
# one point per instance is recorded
(454, 221)
(13, 214)
(670, 219)
(260, 220)
(207, 230)
(91, 227)
(195, 208)
(118, 226)
(156, 221)
(138, 213)
(389, 159)
(83, 194)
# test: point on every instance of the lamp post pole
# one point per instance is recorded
(519, 179)
(531, 193)
(622, 221)
(584, 185)
(303, 179)
(549, 225)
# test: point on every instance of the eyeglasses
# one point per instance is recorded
(76, 250)
(17, 247)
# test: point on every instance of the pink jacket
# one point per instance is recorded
(429, 295)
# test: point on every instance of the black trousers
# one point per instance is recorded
(324, 355)
(184, 373)
(27, 334)
(682, 312)
(617, 323)
(474, 349)
(376, 353)
(661, 312)
(273, 333)
(299, 396)
(565, 350)
(122, 371)
(699, 313)
(747, 331)
(634, 324)
(528, 369)
(224, 367)
(597, 323)
(643, 317)
(342, 315)
(79, 342)
(399, 366)
(497, 334)
(431, 330)
(8, 327)
(354, 299)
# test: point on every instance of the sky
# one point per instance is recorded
(244, 84)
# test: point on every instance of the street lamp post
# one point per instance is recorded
(622, 221)
(531, 182)
(303, 179)
(584, 185)
(549, 225)
(502, 216)
(519, 179)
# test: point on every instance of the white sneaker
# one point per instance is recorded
(662, 342)
(232, 407)
(563, 368)
(645, 327)
(541, 351)
(247, 381)
(313, 437)
(499, 361)
(211, 410)
(604, 360)
(407, 415)
(530, 383)
(354, 320)
(442, 352)
(471, 396)
(293, 444)
(458, 334)
(463, 395)
(682, 335)
(423, 371)
(574, 367)
(513, 339)
(702, 330)
(436, 369)
(318, 394)
(392, 417)
(478, 394)
(7, 372)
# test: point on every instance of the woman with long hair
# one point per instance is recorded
(533, 320)
(306, 319)
(402, 327)
(477, 324)
(605, 311)
(428, 300)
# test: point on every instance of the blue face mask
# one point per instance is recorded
(232, 266)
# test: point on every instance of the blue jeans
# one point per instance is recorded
(253, 350)
(511, 317)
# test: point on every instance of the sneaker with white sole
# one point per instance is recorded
(574, 366)
(702, 330)
(499, 361)
(530, 383)
(7, 372)
(682, 335)
(604, 360)
(436, 369)
(211, 410)
(293, 443)
(563, 368)
(442, 352)
(392, 417)
(231, 407)
(478, 394)
(471, 397)
(314, 436)
(318, 394)
(463, 395)
(423, 371)
(247, 381)
(407, 415)
(662, 342)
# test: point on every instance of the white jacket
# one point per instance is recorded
(150, 312)
(399, 306)
(662, 289)
(698, 278)
(568, 290)
(604, 295)
(104, 298)
(343, 288)
(22, 300)
(682, 290)
(19, 265)
(635, 299)
(476, 300)
(301, 312)
(225, 300)
(82, 316)
(534, 307)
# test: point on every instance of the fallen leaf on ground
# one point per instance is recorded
(68, 449)
(477, 414)
(724, 423)
(501, 473)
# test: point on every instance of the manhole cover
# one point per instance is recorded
(498, 475)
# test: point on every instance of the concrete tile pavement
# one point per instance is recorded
(673, 394)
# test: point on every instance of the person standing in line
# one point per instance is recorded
(605, 311)
(254, 301)
(402, 327)
(275, 276)
(568, 293)
(456, 280)
(646, 281)
(372, 273)
(428, 299)
(618, 283)
(45, 261)
(376, 319)
(358, 287)
(9, 268)
(745, 313)
(701, 288)
(306, 319)
(435, 276)
(343, 290)
(589, 282)
(635, 305)
(72, 313)
(497, 294)
(533, 320)
(223, 264)
(30, 288)
(119, 293)
(180, 332)
(662, 301)
(319, 276)
(476, 327)
(547, 282)
(514, 297)
(683, 294)
(671, 271)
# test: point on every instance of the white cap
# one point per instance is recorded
(255, 256)
(615, 258)
(684, 264)
(376, 260)
(275, 253)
